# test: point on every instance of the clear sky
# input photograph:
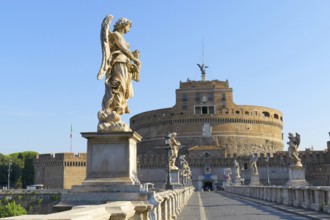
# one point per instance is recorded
(274, 53)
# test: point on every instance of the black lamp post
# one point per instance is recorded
(168, 148)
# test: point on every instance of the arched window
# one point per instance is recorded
(266, 114)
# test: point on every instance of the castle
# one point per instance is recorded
(213, 131)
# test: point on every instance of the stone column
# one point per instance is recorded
(297, 176)
(111, 158)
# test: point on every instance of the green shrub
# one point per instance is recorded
(55, 197)
(12, 209)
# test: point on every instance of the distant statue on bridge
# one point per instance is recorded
(174, 145)
(293, 143)
(185, 166)
(119, 66)
(237, 170)
(253, 163)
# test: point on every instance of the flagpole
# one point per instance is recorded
(71, 139)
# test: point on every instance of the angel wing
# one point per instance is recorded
(297, 139)
(106, 53)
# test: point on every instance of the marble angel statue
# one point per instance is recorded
(119, 67)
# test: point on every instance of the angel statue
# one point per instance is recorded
(237, 169)
(119, 66)
(174, 145)
(185, 166)
(253, 163)
(202, 67)
(293, 143)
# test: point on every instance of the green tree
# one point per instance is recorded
(11, 209)
(22, 170)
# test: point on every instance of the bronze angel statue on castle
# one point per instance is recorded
(119, 66)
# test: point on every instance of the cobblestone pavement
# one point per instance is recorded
(225, 206)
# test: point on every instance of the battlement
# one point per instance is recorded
(214, 84)
(61, 156)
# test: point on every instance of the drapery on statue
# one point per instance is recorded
(253, 163)
(185, 165)
(119, 66)
(174, 145)
(293, 143)
(237, 169)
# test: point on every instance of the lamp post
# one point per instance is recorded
(267, 161)
(9, 170)
(168, 148)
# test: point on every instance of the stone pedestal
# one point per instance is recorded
(175, 179)
(111, 171)
(111, 158)
(297, 176)
(255, 180)
(228, 182)
(237, 182)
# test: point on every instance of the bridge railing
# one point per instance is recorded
(308, 197)
(165, 205)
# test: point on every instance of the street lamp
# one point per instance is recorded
(9, 170)
(168, 148)
(267, 161)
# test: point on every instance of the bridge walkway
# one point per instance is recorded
(226, 206)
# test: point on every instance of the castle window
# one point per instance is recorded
(210, 97)
(204, 110)
(211, 109)
(197, 97)
(184, 106)
(198, 110)
(184, 97)
(247, 113)
(223, 97)
(276, 116)
(266, 114)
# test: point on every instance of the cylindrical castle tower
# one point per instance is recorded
(205, 115)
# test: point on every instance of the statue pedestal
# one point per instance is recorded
(237, 182)
(175, 179)
(111, 171)
(255, 180)
(228, 182)
(297, 176)
(111, 158)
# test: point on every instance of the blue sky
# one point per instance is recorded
(274, 54)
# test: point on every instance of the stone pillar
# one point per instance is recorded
(111, 158)
(297, 176)
(175, 179)
(255, 180)
(111, 171)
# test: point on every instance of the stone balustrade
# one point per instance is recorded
(165, 205)
(309, 197)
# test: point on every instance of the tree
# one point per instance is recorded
(22, 170)
(11, 209)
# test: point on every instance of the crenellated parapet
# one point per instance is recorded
(60, 159)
